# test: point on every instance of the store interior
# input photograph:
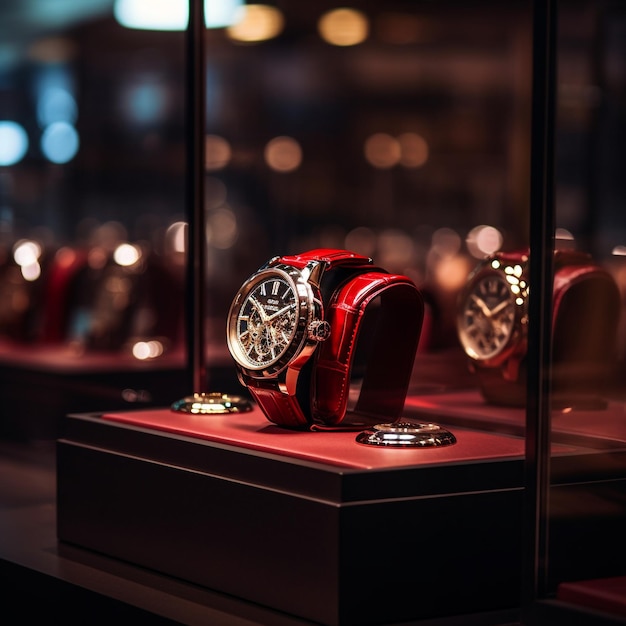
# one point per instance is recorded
(403, 131)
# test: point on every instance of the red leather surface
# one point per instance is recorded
(252, 431)
(391, 361)
(279, 407)
(329, 255)
(604, 594)
(471, 410)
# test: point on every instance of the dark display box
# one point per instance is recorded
(312, 524)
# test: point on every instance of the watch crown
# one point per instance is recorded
(319, 330)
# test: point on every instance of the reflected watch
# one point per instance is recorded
(300, 327)
(492, 325)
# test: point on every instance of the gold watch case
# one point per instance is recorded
(492, 317)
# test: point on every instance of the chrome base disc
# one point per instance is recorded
(213, 403)
(406, 435)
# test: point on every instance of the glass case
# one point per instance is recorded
(585, 583)
(474, 147)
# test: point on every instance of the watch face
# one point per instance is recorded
(489, 314)
(264, 320)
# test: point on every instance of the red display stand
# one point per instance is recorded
(312, 524)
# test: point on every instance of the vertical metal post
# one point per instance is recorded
(196, 230)
(537, 465)
(200, 401)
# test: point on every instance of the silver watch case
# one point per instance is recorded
(311, 328)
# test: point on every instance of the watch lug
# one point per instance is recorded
(242, 378)
(290, 382)
(313, 272)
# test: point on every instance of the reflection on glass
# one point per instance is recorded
(168, 15)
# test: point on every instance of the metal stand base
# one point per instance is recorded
(212, 403)
(406, 434)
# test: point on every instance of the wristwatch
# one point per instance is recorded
(492, 324)
(277, 323)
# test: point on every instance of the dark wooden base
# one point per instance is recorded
(334, 544)
(313, 525)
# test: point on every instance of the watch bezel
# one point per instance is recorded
(514, 273)
(309, 308)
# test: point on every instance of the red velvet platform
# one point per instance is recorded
(252, 430)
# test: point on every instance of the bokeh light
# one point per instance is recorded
(256, 22)
(413, 150)
(222, 229)
(382, 151)
(59, 142)
(483, 240)
(343, 27)
(13, 142)
(172, 15)
(127, 254)
(283, 154)
(217, 152)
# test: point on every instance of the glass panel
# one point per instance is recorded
(586, 496)
(91, 198)
(397, 131)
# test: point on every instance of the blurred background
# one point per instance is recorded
(397, 129)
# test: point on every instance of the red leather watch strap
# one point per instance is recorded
(293, 411)
(280, 408)
(390, 354)
(330, 256)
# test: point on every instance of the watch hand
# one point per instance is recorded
(278, 313)
(482, 306)
(499, 307)
(259, 308)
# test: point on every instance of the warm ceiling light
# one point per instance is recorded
(217, 152)
(483, 240)
(283, 154)
(126, 255)
(172, 14)
(414, 150)
(26, 252)
(382, 150)
(343, 27)
(256, 22)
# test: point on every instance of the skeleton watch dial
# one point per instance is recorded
(265, 320)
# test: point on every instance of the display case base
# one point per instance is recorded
(312, 524)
